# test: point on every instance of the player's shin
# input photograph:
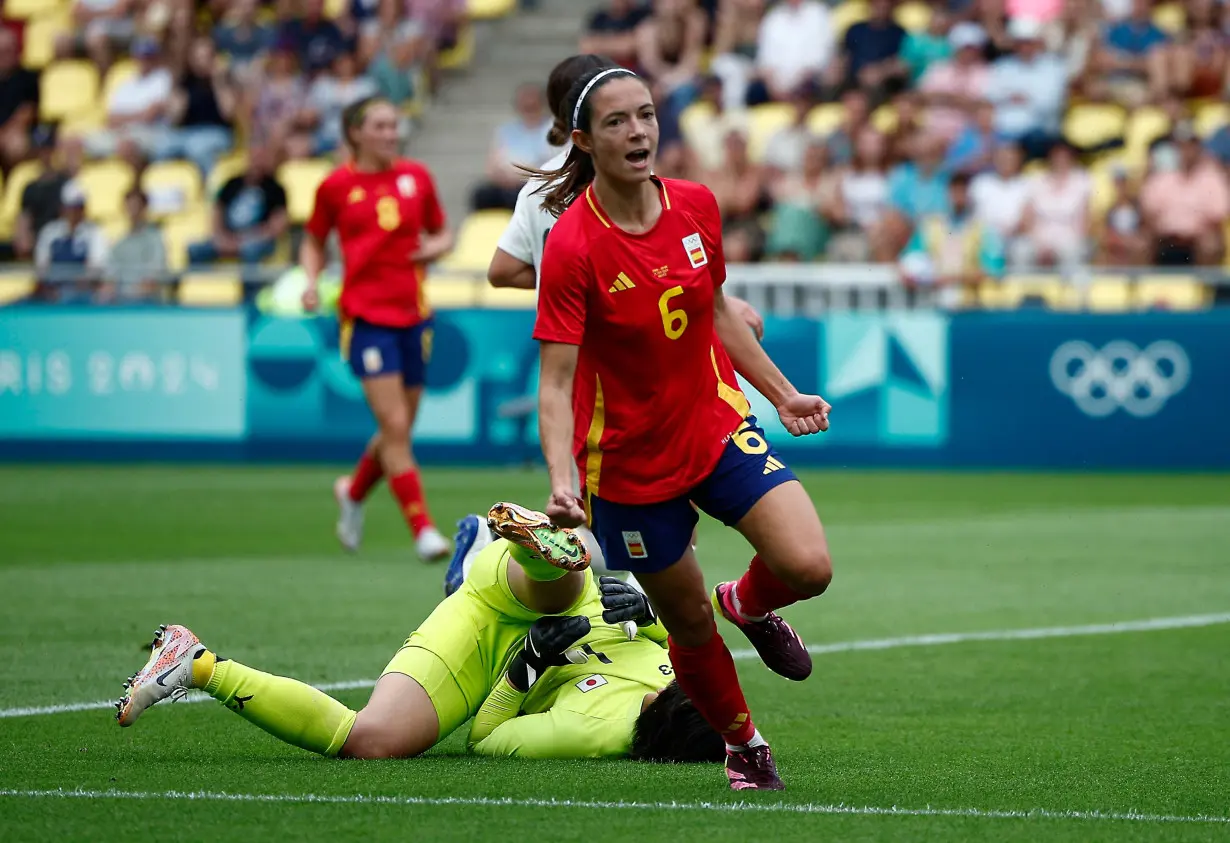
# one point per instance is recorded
(707, 675)
(289, 710)
(367, 473)
(760, 591)
(407, 487)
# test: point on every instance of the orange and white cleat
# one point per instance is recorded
(532, 530)
(168, 673)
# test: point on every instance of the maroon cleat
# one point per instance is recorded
(752, 769)
(779, 646)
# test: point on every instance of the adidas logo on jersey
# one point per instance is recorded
(772, 464)
(623, 282)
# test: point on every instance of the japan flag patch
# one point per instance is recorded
(590, 682)
(696, 251)
(635, 545)
(405, 186)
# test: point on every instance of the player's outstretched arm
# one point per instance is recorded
(800, 414)
(558, 368)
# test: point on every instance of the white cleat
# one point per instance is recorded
(349, 516)
(168, 673)
(431, 545)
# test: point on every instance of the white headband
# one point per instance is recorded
(576, 109)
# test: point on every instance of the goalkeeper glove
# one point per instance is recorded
(625, 604)
(549, 644)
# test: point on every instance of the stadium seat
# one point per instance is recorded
(765, 121)
(15, 286)
(210, 288)
(824, 119)
(86, 120)
(1170, 17)
(490, 9)
(172, 177)
(67, 87)
(300, 180)
(105, 183)
(845, 15)
(884, 118)
(14, 185)
(225, 169)
(476, 241)
(1211, 116)
(40, 38)
(446, 290)
(1102, 191)
(913, 16)
(496, 298)
(1144, 125)
(120, 72)
(1016, 290)
(1171, 292)
(1109, 294)
(1093, 123)
(116, 228)
(462, 55)
(180, 230)
(335, 8)
(25, 9)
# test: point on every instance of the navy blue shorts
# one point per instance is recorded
(373, 350)
(647, 538)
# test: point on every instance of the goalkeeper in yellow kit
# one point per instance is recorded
(522, 647)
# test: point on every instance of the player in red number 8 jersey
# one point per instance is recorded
(391, 225)
(630, 314)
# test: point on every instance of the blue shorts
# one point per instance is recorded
(647, 538)
(373, 350)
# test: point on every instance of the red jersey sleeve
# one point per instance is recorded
(324, 212)
(562, 290)
(710, 223)
(433, 212)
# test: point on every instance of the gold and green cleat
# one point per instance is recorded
(526, 528)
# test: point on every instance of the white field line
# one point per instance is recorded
(1147, 625)
(589, 805)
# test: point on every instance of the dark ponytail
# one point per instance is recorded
(563, 76)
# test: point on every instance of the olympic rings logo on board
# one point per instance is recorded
(1120, 376)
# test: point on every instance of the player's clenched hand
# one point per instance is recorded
(804, 414)
(564, 508)
(550, 643)
(623, 603)
(311, 299)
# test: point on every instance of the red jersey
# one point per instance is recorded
(652, 413)
(379, 218)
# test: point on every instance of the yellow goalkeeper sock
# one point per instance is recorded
(289, 710)
(535, 567)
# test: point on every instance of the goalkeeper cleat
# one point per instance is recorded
(752, 768)
(168, 673)
(349, 516)
(778, 645)
(533, 531)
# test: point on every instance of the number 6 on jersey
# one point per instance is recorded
(674, 322)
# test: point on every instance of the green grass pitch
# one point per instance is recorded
(1066, 737)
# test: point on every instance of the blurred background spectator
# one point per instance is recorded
(1055, 229)
(1185, 203)
(1029, 89)
(871, 53)
(137, 268)
(612, 31)
(201, 112)
(19, 98)
(71, 252)
(40, 200)
(522, 140)
(249, 215)
(137, 110)
(795, 46)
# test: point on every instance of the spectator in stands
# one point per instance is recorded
(315, 39)
(999, 197)
(1123, 241)
(249, 215)
(930, 46)
(274, 109)
(734, 47)
(201, 111)
(860, 204)
(917, 187)
(739, 186)
(328, 96)
(611, 31)
(872, 53)
(360, 25)
(799, 229)
(669, 46)
(244, 40)
(100, 27)
(16, 26)
(19, 96)
(1218, 145)
(786, 147)
(1186, 203)
(856, 111)
(1074, 37)
(439, 24)
(395, 65)
(795, 45)
(1195, 64)
(908, 122)
(951, 90)
(708, 127)
(1028, 88)
(952, 248)
(972, 150)
(137, 110)
(40, 200)
(1129, 59)
(137, 269)
(520, 141)
(71, 252)
(1055, 230)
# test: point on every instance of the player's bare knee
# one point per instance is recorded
(813, 573)
(378, 743)
(691, 621)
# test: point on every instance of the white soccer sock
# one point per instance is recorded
(737, 605)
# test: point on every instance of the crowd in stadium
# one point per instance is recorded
(957, 138)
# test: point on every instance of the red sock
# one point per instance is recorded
(759, 591)
(707, 675)
(366, 475)
(408, 490)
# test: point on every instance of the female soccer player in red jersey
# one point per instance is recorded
(391, 225)
(630, 316)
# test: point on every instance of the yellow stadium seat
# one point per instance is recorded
(1093, 123)
(1170, 17)
(1102, 192)
(1144, 126)
(180, 230)
(446, 290)
(1016, 289)
(67, 87)
(884, 118)
(1173, 292)
(824, 119)
(1210, 117)
(173, 176)
(25, 9)
(845, 15)
(105, 183)
(999, 295)
(85, 121)
(210, 288)
(476, 242)
(300, 180)
(765, 121)
(462, 55)
(225, 169)
(120, 72)
(335, 8)
(913, 16)
(19, 177)
(115, 228)
(15, 286)
(1109, 294)
(40, 37)
(693, 115)
(490, 9)
(503, 298)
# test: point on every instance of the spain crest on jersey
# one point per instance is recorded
(696, 251)
(405, 186)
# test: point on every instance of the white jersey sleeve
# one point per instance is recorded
(526, 234)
